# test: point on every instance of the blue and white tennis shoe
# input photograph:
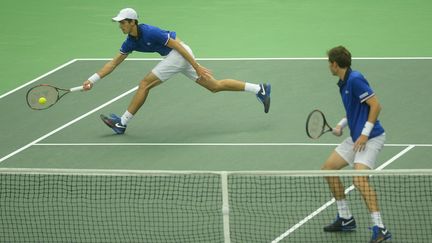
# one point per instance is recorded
(114, 122)
(341, 224)
(380, 234)
(264, 96)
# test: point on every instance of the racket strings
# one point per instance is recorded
(315, 125)
(48, 92)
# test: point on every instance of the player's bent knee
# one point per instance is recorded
(144, 85)
(210, 85)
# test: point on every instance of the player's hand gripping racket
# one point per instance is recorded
(44, 96)
(316, 124)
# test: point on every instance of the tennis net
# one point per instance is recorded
(65, 205)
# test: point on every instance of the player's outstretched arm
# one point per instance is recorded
(104, 71)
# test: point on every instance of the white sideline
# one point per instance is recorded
(215, 144)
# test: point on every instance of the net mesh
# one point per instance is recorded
(83, 208)
(265, 207)
(89, 207)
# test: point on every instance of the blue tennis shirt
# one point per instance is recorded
(355, 90)
(150, 39)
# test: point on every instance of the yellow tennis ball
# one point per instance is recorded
(42, 100)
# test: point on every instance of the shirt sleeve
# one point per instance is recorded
(159, 36)
(126, 48)
(361, 89)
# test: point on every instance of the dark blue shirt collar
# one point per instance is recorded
(342, 82)
(138, 33)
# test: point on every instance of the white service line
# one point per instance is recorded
(38, 78)
(68, 124)
(331, 201)
(183, 144)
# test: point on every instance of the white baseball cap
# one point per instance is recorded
(126, 13)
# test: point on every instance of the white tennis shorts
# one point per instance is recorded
(367, 157)
(175, 63)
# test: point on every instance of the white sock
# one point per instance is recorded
(253, 88)
(376, 219)
(127, 116)
(343, 209)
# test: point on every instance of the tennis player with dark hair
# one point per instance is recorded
(360, 149)
(178, 59)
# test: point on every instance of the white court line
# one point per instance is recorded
(68, 124)
(214, 144)
(38, 78)
(330, 202)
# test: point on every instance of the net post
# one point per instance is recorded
(225, 206)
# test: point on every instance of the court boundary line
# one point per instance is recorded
(215, 144)
(206, 59)
(333, 200)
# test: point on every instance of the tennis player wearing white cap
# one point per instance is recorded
(179, 58)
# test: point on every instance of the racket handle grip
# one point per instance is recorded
(78, 88)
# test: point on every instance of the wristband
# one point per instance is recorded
(343, 123)
(94, 78)
(367, 128)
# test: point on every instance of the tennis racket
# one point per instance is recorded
(316, 124)
(51, 95)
